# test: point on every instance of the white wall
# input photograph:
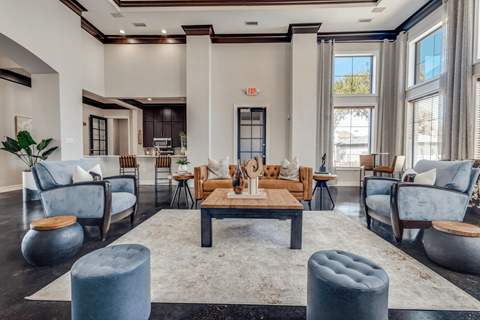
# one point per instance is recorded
(145, 70)
(93, 64)
(15, 100)
(262, 66)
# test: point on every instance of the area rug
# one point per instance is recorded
(251, 262)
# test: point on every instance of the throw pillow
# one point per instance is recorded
(428, 177)
(218, 169)
(94, 174)
(290, 170)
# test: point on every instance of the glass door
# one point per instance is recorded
(98, 136)
(251, 133)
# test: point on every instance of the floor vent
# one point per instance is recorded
(117, 15)
(139, 24)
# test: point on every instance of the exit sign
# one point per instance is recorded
(251, 91)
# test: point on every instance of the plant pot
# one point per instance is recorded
(182, 168)
(30, 192)
(183, 150)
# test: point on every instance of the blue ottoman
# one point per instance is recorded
(52, 240)
(112, 283)
(342, 285)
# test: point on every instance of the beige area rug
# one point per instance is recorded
(251, 262)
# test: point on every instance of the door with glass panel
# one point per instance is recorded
(98, 136)
(251, 133)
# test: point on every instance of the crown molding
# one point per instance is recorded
(90, 28)
(367, 36)
(75, 6)
(302, 28)
(199, 30)
(15, 77)
(252, 38)
(105, 106)
(419, 15)
(144, 106)
(145, 39)
(230, 3)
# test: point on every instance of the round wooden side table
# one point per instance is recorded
(321, 180)
(182, 183)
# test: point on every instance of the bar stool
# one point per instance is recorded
(397, 167)
(129, 162)
(163, 164)
(366, 164)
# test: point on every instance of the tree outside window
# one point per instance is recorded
(353, 75)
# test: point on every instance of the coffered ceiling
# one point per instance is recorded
(335, 16)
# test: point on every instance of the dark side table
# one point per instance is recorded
(321, 180)
(182, 183)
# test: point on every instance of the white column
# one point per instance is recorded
(199, 99)
(304, 98)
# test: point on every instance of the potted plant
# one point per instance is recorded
(183, 140)
(27, 150)
(183, 165)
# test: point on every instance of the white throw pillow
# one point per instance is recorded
(290, 170)
(428, 177)
(93, 174)
(218, 169)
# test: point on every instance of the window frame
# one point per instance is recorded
(373, 72)
(417, 55)
(91, 118)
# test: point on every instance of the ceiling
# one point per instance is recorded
(231, 20)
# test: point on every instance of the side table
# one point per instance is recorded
(182, 183)
(321, 180)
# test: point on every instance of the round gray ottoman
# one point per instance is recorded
(112, 283)
(343, 285)
(455, 246)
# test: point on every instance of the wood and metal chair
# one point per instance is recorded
(396, 167)
(163, 164)
(129, 165)
(366, 164)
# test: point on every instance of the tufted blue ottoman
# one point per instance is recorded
(112, 283)
(342, 285)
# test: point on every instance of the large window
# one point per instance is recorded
(353, 128)
(428, 57)
(98, 136)
(353, 75)
(424, 129)
(251, 133)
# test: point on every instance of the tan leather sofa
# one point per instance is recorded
(301, 190)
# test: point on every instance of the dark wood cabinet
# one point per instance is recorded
(166, 121)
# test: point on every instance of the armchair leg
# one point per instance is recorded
(310, 205)
(104, 231)
(367, 216)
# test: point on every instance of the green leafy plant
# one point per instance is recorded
(25, 147)
(183, 138)
(183, 161)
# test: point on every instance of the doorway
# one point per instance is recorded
(251, 133)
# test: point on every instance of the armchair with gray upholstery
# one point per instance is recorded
(94, 203)
(406, 205)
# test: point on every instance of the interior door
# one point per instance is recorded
(251, 134)
(98, 136)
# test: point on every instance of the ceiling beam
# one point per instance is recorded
(362, 36)
(229, 3)
(75, 6)
(98, 104)
(15, 77)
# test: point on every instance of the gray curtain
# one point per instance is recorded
(457, 138)
(325, 112)
(400, 85)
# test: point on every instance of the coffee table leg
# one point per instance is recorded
(206, 225)
(296, 231)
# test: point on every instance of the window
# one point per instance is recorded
(424, 129)
(428, 57)
(477, 122)
(251, 133)
(353, 75)
(98, 136)
(353, 128)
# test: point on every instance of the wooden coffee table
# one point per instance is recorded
(280, 204)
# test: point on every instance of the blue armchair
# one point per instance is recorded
(406, 205)
(94, 203)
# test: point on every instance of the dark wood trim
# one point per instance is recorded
(252, 38)
(90, 28)
(97, 104)
(140, 105)
(74, 6)
(357, 36)
(199, 30)
(229, 3)
(145, 39)
(418, 16)
(15, 77)
(299, 28)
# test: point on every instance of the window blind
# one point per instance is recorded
(424, 122)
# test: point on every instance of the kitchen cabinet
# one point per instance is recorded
(165, 121)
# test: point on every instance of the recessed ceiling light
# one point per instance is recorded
(149, 99)
(164, 31)
(122, 31)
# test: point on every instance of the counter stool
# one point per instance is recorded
(163, 164)
(397, 167)
(129, 162)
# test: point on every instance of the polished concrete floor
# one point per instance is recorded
(19, 279)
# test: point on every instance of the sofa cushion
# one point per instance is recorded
(218, 169)
(454, 175)
(379, 203)
(211, 185)
(121, 201)
(292, 186)
(58, 173)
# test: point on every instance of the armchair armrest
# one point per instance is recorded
(123, 183)
(306, 177)
(200, 176)
(91, 199)
(378, 186)
(420, 202)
